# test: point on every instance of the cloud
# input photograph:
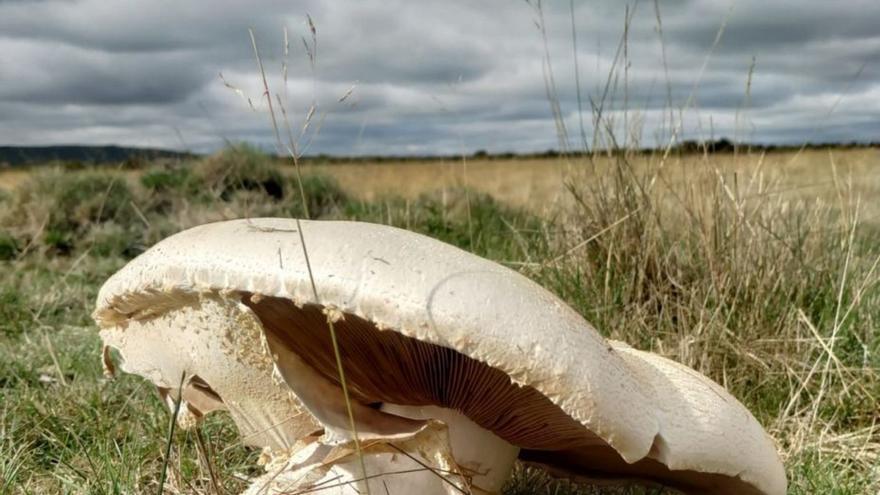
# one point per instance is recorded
(433, 77)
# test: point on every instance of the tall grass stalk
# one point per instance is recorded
(311, 49)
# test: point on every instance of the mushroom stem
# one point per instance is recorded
(419, 464)
(480, 454)
(448, 455)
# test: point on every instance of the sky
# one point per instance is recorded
(397, 77)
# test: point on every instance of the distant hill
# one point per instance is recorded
(16, 156)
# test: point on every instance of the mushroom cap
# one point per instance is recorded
(646, 408)
(218, 363)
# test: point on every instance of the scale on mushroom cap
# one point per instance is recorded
(456, 367)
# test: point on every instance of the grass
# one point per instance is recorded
(761, 275)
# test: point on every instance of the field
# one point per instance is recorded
(760, 271)
(540, 184)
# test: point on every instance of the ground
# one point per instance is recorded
(760, 271)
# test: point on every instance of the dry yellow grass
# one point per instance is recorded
(10, 178)
(540, 183)
(514, 181)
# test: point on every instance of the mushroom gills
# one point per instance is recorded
(387, 367)
(415, 379)
(482, 460)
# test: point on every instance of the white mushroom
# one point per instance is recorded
(211, 348)
(452, 361)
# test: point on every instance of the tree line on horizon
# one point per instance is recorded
(132, 157)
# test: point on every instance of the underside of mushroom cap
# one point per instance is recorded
(435, 294)
(208, 353)
(701, 423)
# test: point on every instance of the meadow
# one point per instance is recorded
(758, 269)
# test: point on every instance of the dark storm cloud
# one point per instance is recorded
(72, 75)
(432, 77)
(755, 25)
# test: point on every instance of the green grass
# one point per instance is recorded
(776, 300)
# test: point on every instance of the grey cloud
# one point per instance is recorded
(136, 26)
(758, 25)
(154, 80)
(430, 77)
